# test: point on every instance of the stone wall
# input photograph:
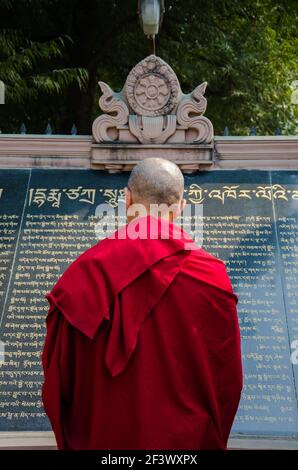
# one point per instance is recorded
(58, 151)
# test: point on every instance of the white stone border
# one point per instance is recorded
(45, 440)
(58, 151)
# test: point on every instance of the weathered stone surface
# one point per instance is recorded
(151, 109)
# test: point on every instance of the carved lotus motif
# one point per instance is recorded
(152, 88)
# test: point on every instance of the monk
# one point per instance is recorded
(142, 349)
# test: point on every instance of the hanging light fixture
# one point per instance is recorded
(151, 14)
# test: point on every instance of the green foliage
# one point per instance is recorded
(247, 51)
(24, 67)
(52, 54)
(32, 65)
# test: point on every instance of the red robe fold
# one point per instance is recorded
(143, 347)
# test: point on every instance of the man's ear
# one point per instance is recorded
(128, 198)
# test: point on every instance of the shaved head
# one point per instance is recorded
(156, 181)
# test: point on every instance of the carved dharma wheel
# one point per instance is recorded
(152, 88)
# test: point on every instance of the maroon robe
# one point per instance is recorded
(143, 347)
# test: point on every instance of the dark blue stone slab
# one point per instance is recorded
(240, 228)
(13, 187)
(58, 223)
(247, 222)
(285, 186)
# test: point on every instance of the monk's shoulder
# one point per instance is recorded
(96, 251)
(207, 268)
(81, 265)
(113, 260)
(201, 256)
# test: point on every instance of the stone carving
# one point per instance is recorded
(152, 130)
(152, 88)
(151, 109)
(189, 114)
(113, 104)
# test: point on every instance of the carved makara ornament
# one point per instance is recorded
(151, 109)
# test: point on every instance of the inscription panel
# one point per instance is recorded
(49, 217)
